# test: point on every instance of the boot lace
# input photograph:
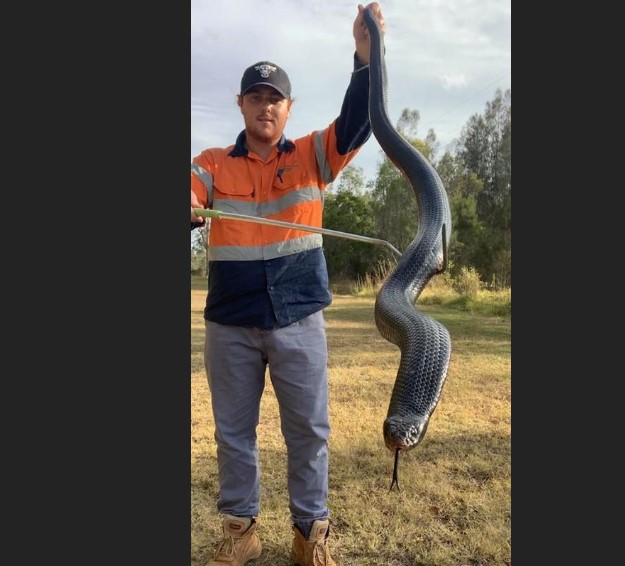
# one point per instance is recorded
(225, 547)
(321, 553)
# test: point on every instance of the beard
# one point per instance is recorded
(266, 132)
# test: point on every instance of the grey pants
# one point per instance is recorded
(236, 359)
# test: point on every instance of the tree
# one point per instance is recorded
(462, 190)
(352, 179)
(349, 211)
(485, 150)
(199, 242)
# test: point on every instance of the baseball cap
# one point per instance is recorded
(266, 73)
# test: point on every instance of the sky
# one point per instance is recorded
(444, 58)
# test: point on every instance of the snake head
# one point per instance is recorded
(404, 433)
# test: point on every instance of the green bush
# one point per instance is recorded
(467, 283)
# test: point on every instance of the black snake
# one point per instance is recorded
(424, 343)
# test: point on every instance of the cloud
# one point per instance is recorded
(450, 82)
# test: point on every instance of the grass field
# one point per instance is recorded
(454, 505)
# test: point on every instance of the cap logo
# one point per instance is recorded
(264, 70)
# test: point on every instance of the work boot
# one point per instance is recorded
(314, 551)
(240, 542)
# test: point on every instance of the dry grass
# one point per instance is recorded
(454, 505)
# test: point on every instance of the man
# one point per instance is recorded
(267, 289)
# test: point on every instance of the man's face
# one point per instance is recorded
(265, 112)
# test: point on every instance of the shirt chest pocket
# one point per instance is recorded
(233, 184)
(291, 177)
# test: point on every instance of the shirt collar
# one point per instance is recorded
(240, 149)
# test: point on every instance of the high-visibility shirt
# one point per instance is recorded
(267, 276)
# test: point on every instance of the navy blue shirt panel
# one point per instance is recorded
(268, 293)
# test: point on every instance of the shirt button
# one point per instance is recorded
(271, 288)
